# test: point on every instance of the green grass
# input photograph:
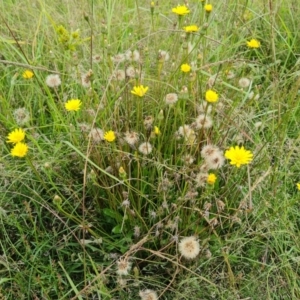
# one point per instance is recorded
(73, 208)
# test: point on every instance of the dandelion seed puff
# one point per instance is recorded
(121, 282)
(126, 203)
(148, 295)
(204, 108)
(152, 214)
(188, 159)
(97, 58)
(250, 95)
(208, 254)
(258, 124)
(21, 115)
(203, 121)
(201, 179)
(86, 79)
(53, 80)
(209, 150)
(163, 55)
(132, 55)
(215, 161)
(148, 122)
(185, 130)
(189, 247)
(119, 58)
(204, 168)
(119, 75)
(244, 82)
(131, 138)
(188, 133)
(97, 135)
(230, 74)
(84, 127)
(145, 148)
(123, 266)
(220, 205)
(136, 231)
(212, 80)
(171, 98)
(131, 72)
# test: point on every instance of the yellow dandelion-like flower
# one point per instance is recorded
(16, 136)
(253, 43)
(156, 130)
(191, 28)
(19, 150)
(211, 178)
(180, 10)
(298, 186)
(139, 90)
(239, 156)
(109, 136)
(27, 74)
(211, 96)
(208, 8)
(73, 105)
(185, 68)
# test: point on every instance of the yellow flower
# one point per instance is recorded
(211, 96)
(180, 10)
(211, 178)
(191, 28)
(19, 150)
(185, 68)
(139, 90)
(109, 136)
(208, 8)
(239, 156)
(156, 130)
(27, 74)
(16, 136)
(253, 43)
(73, 105)
(298, 186)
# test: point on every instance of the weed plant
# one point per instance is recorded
(149, 150)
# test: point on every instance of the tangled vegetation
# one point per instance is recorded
(149, 149)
